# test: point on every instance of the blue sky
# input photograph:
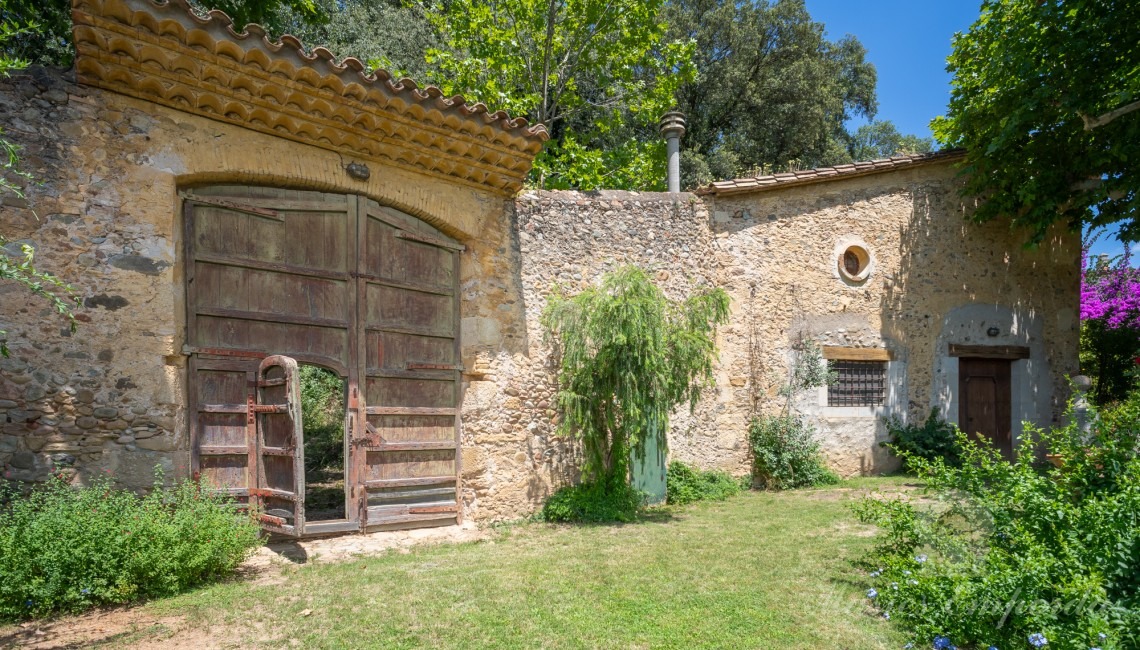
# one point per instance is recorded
(908, 41)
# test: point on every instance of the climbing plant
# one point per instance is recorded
(785, 449)
(628, 356)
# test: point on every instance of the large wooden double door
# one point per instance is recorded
(275, 277)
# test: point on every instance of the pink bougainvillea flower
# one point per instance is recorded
(1110, 291)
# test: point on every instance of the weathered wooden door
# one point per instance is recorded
(223, 449)
(341, 282)
(410, 357)
(985, 401)
(280, 447)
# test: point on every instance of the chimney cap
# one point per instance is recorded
(672, 124)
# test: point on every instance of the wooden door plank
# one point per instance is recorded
(277, 267)
(408, 482)
(411, 445)
(458, 388)
(409, 410)
(291, 319)
(356, 458)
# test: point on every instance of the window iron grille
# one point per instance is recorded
(857, 383)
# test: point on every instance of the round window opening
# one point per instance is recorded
(855, 263)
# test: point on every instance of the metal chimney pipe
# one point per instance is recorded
(672, 128)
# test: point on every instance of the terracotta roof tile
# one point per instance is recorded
(820, 174)
(162, 51)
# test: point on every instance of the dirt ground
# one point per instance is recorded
(137, 628)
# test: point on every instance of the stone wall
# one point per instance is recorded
(930, 261)
(112, 395)
(775, 252)
(104, 216)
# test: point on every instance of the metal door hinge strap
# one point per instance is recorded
(236, 207)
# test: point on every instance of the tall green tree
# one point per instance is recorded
(628, 357)
(1046, 102)
(391, 34)
(49, 41)
(882, 139)
(595, 72)
(771, 92)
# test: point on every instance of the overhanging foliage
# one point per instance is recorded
(1045, 101)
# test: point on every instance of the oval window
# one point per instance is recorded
(855, 263)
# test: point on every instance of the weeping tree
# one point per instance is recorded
(628, 356)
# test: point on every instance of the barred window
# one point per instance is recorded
(857, 383)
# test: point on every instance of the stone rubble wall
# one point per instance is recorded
(112, 395)
(783, 247)
(104, 216)
(102, 398)
(776, 254)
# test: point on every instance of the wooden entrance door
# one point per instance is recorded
(341, 282)
(410, 317)
(984, 399)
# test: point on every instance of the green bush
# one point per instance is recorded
(322, 414)
(1019, 549)
(686, 484)
(785, 454)
(594, 503)
(65, 549)
(934, 438)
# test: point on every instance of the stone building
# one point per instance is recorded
(221, 201)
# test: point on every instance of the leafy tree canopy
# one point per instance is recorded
(1046, 102)
(597, 73)
(49, 39)
(881, 139)
(389, 34)
(771, 91)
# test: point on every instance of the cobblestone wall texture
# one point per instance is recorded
(112, 395)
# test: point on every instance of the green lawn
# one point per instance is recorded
(758, 571)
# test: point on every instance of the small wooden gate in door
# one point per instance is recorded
(249, 441)
(985, 401)
(341, 282)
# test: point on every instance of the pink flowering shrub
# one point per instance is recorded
(1110, 326)
(1110, 292)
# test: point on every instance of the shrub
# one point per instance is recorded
(785, 453)
(65, 549)
(686, 484)
(593, 503)
(322, 413)
(934, 438)
(1020, 549)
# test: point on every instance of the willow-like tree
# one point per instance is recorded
(628, 357)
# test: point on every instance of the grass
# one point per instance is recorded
(759, 570)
